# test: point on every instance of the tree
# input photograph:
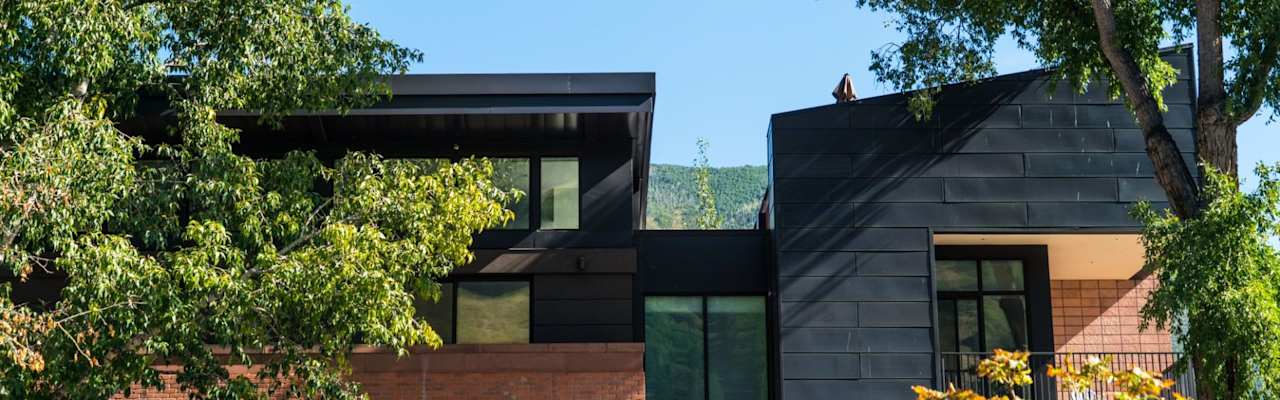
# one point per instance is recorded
(709, 218)
(1219, 289)
(1118, 43)
(170, 248)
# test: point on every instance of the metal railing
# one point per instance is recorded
(961, 370)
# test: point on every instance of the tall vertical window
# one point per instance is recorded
(705, 348)
(982, 305)
(559, 193)
(513, 173)
(479, 312)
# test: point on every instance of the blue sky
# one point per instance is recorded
(723, 66)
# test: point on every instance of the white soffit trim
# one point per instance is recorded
(1071, 256)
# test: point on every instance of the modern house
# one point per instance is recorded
(891, 251)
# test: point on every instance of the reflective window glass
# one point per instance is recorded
(956, 274)
(513, 173)
(559, 193)
(493, 312)
(1002, 275)
(673, 353)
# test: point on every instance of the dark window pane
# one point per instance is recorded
(493, 312)
(673, 333)
(947, 328)
(736, 364)
(1005, 322)
(559, 193)
(953, 275)
(438, 314)
(1002, 275)
(967, 325)
(513, 173)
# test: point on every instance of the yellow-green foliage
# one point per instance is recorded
(200, 245)
(1011, 370)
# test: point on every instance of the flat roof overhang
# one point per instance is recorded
(1072, 256)
(475, 105)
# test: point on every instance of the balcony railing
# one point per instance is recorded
(961, 370)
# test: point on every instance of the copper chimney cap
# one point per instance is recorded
(844, 92)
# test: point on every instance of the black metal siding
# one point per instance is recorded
(860, 187)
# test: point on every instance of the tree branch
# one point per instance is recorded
(1255, 83)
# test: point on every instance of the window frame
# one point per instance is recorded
(979, 296)
(1035, 289)
(706, 340)
(455, 281)
(534, 196)
(538, 181)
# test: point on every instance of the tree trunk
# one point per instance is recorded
(1215, 129)
(1171, 170)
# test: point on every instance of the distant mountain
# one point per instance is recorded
(673, 196)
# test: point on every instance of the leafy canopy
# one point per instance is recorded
(169, 248)
(1220, 278)
(949, 41)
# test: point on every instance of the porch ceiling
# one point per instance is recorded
(1071, 256)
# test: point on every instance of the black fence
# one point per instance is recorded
(961, 370)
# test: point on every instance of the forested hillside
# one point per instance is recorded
(673, 196)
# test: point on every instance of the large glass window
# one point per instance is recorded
(513, 173)
(982, 305)
(705, 348)
(439, 313)
(479, 312)
(559, 193)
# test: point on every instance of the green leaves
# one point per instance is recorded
(171, 249)
(1220, 279)
(954, 41)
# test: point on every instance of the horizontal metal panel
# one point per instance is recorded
(887, 116)
(1030, 189)
(852, 141)
(828, 190)
(582, 333)
(897, 365)
(816, 263)
(1092, 165)
(895, 314)
(854, 289)
(835, 239)
(856, 340)
(814, 215)
(820, 314)
(938, 165)
(1048, 116)
(1068, 215)
(571, 287)
(976, 117)
(893, 264)
(1178, 116)
(821, 366)
(551, 261)
(703, 261)
(812, 166)
(940, 215)
(1134, 189)
(1027, 140)
(1132, 140)
(582, 312)
(828, 116)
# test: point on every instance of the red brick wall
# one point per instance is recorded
(1103, 316)
(507, 372)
